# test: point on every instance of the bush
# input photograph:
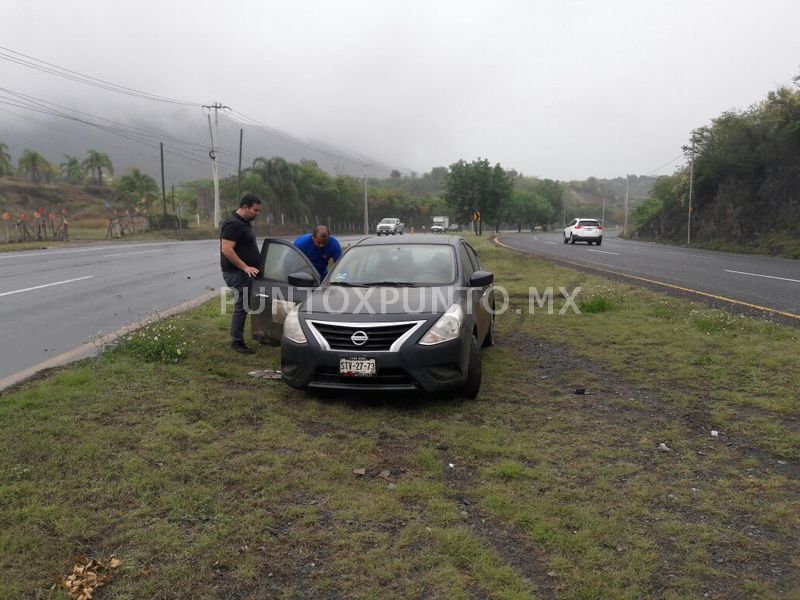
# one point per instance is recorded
(161, 342)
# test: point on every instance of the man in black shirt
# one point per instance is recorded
(238, 256)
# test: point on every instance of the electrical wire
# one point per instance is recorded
(40, 65)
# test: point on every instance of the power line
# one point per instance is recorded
(662, 166)
(40, 65)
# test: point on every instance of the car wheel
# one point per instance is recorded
(571, 239)
(489, 339)
(565, 238)
(473, 383)
(600, 241)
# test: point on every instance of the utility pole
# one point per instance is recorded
(366, 205)
(691, 185)
(163, 189)
(603, 218)
(627, 193)
(213, 154)
(239, 176)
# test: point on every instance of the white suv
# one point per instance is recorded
(584, 230)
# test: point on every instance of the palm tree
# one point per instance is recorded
(34, 165)
(136, 187)
(71, 169)
(95, 162)
(6, 168)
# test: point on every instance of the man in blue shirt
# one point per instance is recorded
(320, 247)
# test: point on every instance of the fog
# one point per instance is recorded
(564, 90)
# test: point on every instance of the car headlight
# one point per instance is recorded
(292, 330)
(447, 328)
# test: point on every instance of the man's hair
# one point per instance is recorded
(318, 229)
(248, 200)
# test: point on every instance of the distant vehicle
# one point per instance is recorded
(440, 224)
(390, 226)
(584, 230)
(454, 227)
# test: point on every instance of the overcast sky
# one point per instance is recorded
(559, 89)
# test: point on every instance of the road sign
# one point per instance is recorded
(476, 216)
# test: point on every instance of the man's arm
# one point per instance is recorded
(336, 250)
(227, 249)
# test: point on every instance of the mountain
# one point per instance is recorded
(133, 141)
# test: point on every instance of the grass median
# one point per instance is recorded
(206, 482)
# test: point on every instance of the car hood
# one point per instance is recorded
(381, 300)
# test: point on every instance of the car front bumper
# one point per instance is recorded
(431, 368)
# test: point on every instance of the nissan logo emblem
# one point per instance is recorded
(359, 338)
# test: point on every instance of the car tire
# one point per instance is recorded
(489, 339)
(600, 241)
(571, 239)
(473, 384)
(565, 238)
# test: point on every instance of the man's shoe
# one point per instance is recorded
(241, 348)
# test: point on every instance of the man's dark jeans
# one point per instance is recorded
(239, 281)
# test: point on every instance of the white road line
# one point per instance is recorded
(759, 275)
(38, 287)
(554, 244)
(604, 252)
(129, 253)
(536, 238)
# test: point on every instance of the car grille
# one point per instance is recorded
(379, 337)
(386, 377)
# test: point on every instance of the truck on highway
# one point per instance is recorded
(440, 224)
(390, 226)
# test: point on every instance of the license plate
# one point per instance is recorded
(357, 367)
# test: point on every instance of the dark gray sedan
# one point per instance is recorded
(393, 314)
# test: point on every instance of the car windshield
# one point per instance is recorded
(590, 223)
(395, 264)
(388, 221)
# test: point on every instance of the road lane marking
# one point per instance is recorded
(48, 252)
(783, 313)
(605, 252)
(554, 244)
(536, 238)
(759, 275)
(129, 253)
(39, 287)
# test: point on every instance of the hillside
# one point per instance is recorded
(80, 201)
(746, 189)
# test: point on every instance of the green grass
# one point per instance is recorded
(208, 483)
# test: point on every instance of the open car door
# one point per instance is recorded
(271, 295)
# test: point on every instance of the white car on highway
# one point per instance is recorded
(584, 230)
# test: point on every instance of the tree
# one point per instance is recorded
(34, 166)
(71, 169)
(95, 162)
(6, 168)
(136, 188)
(477, 186)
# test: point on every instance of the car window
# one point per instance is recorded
(571, 223)
(476, 264)
(466, 262)
(590, 223)
(283, 260)
(420, 264)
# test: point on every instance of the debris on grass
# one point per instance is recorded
(266, 374)
(664, 448)
(360, 472)
(88, 576)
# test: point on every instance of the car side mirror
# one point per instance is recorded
(302, 280)
(481, 279)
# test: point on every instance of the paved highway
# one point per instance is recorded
(52, 301)
(763, 281)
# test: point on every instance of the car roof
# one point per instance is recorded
(448, 240)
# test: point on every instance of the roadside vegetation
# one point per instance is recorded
(646, 448)
(746, 182)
